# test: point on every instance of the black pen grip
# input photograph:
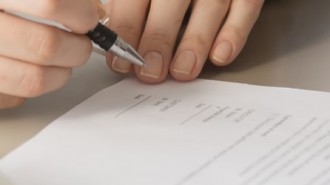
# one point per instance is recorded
(102, 36)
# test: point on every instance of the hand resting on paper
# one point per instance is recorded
(214, 29)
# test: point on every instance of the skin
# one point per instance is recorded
(36, 59)
(217, 30)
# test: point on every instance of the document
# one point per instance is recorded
(195, 133)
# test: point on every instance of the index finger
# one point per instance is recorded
(80, 16)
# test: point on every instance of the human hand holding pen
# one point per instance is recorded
(216, 30)
(35, 58)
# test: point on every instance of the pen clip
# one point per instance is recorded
(105, 20)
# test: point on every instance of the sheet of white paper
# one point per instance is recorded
(198, 133)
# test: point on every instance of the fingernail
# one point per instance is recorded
(222, 52)
(185, 63)
(120, 65)
(154, 62)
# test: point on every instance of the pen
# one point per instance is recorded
(108, 40)
(102, 36)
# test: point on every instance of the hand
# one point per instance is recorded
(36, 59)
(217, 29)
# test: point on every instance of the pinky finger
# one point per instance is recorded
(7, 101)
(234, 33)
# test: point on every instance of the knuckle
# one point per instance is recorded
(197, 39)
(32, 81)
(161, 36)
(45, 44)
(234, 32)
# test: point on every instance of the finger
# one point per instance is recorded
(101, 11)
(41, 44)
(158, 39)
(7, 101)
(127, 19)
(29, 80)
(78, 15)
(198, 38)
(233, 35)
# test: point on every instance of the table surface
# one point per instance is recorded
(288, 47)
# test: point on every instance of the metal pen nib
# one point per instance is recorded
(125, 51)
(110, 41)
